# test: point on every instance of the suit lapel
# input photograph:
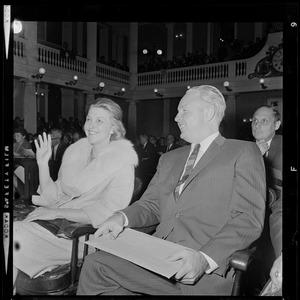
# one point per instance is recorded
(208, 156)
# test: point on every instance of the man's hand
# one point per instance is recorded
(193, 265)
(263, 146)
(114, 225)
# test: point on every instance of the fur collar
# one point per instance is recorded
(78, 171)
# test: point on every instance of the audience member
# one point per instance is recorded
(96, 179)
(171, 144)
(161, 146)
(216, 210)
(265, 123)
(147, 160)
(67, 138)
(58, 150)
(21, 146)
(77, 135)
(152, 140)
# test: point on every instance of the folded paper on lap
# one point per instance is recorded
(142, 249)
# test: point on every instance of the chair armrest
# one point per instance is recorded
(76, 230)
(241, 259)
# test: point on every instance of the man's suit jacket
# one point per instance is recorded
(173, 147)
(273, 163)
(275, 220)
(220, 210)
(148, 160)
(54, 164)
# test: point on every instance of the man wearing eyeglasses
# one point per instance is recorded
(265, 123)
(58, 149)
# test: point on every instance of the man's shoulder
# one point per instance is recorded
(240, 144)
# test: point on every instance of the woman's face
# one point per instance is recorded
(98, 126)
(19, 137)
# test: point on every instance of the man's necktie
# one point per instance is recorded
(188, 169)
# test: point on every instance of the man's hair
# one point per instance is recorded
(116, 112)
(56, 132)
(213, 96)
(274, 111)
(145, 135)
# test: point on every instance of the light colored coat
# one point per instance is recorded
(98, 187)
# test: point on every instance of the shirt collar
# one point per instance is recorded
(206, 142)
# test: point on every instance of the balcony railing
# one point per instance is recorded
(51, 56)
(19, 48)
(113, 74)
(201, 72)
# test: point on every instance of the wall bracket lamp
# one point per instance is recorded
(262, 83)
(226, 85)
(100, 87)
(72, 82)
(40, 74)
(157, 94)
(120, 93)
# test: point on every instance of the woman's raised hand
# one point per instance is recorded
(43, 148)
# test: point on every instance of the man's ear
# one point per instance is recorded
(277, 124)
(210, 113)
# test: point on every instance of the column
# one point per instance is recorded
(170, 27)
(42, 100)
(81, 107)
(133, 54)
(30, 34)
(119, 54)
(209, 36)
(230, 116)
(235, 30)
(92, 48)
(67, 34)
(166, 120)
(103, 41)
(67, 103)
(131, 118)
(189, 37)
(89, 96)
(114, 46)
(30, 104)
(79, 38)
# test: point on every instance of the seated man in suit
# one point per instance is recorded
(265, 123)
(208, 196)
(147, 160)
(59, 148)
(171, 145)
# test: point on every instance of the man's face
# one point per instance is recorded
(191, 117)
(55, 139)
(263, 124)
(170, 139)
(143, 140)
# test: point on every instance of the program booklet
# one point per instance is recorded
(142, 249)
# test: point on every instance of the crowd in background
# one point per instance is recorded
(231, 49)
